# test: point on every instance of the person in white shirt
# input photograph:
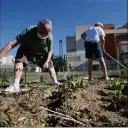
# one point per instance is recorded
(94, 38)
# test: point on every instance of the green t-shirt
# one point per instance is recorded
(30, 40)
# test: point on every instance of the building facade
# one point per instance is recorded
(7, 60)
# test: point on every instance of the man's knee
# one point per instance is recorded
(18, 69)
(90, 61)
(18, 66)
(101, 59)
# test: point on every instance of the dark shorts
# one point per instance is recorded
(93, 50)
(25, 56)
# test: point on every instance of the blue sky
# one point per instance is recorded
(16, 15)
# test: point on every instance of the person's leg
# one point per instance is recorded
(89, 56)
(104, 68)
(20, 62)
(51, 69)
(90, 61)
(99, 54)
(18, 67)
(52, 73)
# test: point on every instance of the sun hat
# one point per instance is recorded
(100, 24)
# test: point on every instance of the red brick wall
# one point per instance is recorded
(110, 45)
(108, 26)
(110, 41)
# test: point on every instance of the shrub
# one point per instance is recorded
(6, 71)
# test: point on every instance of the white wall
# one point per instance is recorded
(79, 42)
(70, 44)
(37, 69)
(9, 60)
(79, 45)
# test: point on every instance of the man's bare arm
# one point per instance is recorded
(102, 38)
(83, 35)
(12, 44)
(49, 56)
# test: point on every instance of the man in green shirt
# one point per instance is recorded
(35, 45)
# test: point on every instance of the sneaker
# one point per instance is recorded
(12, 88)
(57, 83)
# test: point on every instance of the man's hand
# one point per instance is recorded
(45, 65)
(83, 35)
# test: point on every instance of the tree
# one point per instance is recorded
(60, 63)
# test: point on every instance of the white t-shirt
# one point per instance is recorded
(93, 34)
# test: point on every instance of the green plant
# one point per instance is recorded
(76, 83)
(116, 87)
(115, 93)
(6, 71)
(117, 84)
(4, 122)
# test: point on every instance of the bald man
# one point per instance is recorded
(35, 45)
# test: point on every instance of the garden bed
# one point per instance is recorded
(88, 105)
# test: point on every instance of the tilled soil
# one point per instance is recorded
(45, 105)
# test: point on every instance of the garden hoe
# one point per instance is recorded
(115, 60)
